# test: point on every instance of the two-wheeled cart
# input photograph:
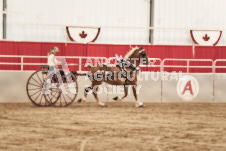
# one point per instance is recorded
(55, 96)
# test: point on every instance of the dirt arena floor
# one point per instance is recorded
(120, 126)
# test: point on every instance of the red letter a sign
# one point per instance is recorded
(188, 87)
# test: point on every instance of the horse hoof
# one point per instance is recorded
(102, 105)
(140, 105)
(115, 98)
(80, 100)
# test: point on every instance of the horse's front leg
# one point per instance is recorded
(138, 103)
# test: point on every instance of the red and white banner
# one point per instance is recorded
(205, 37)
(82, 34)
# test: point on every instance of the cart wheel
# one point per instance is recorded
(34, 89)
(60, 98)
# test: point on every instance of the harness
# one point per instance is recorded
(123, 63)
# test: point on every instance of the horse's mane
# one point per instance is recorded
(130, 52)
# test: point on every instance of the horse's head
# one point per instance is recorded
(137, 55)
(143, 56)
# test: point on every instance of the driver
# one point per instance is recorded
(52, 63)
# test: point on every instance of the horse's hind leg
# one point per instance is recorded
(86, 91)
(125, 94)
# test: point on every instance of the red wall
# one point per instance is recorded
(104, 50)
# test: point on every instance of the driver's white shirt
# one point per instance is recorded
(52, 60)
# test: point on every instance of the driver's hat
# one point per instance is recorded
(54, 49)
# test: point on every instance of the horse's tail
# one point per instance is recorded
(88, 65)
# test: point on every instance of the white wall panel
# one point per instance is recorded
(1, 17)
(150, 90)
(188, 14)
(81, 13)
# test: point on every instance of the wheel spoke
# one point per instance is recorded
(64, 99)
(55, 90)
(35, 93)
(35, 89)
(37, 97)
(60, 102)
(54, 95)
(39, 78)
(68, 97)
(36, 81)
(49, 98)
(34, 84)
(40, 100)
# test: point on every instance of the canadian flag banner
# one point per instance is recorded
(82, 34)
(205, 37)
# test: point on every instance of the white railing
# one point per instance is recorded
(80, 58)
(161, 65)
(22, 63)
(188, 65)
(218, 67)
